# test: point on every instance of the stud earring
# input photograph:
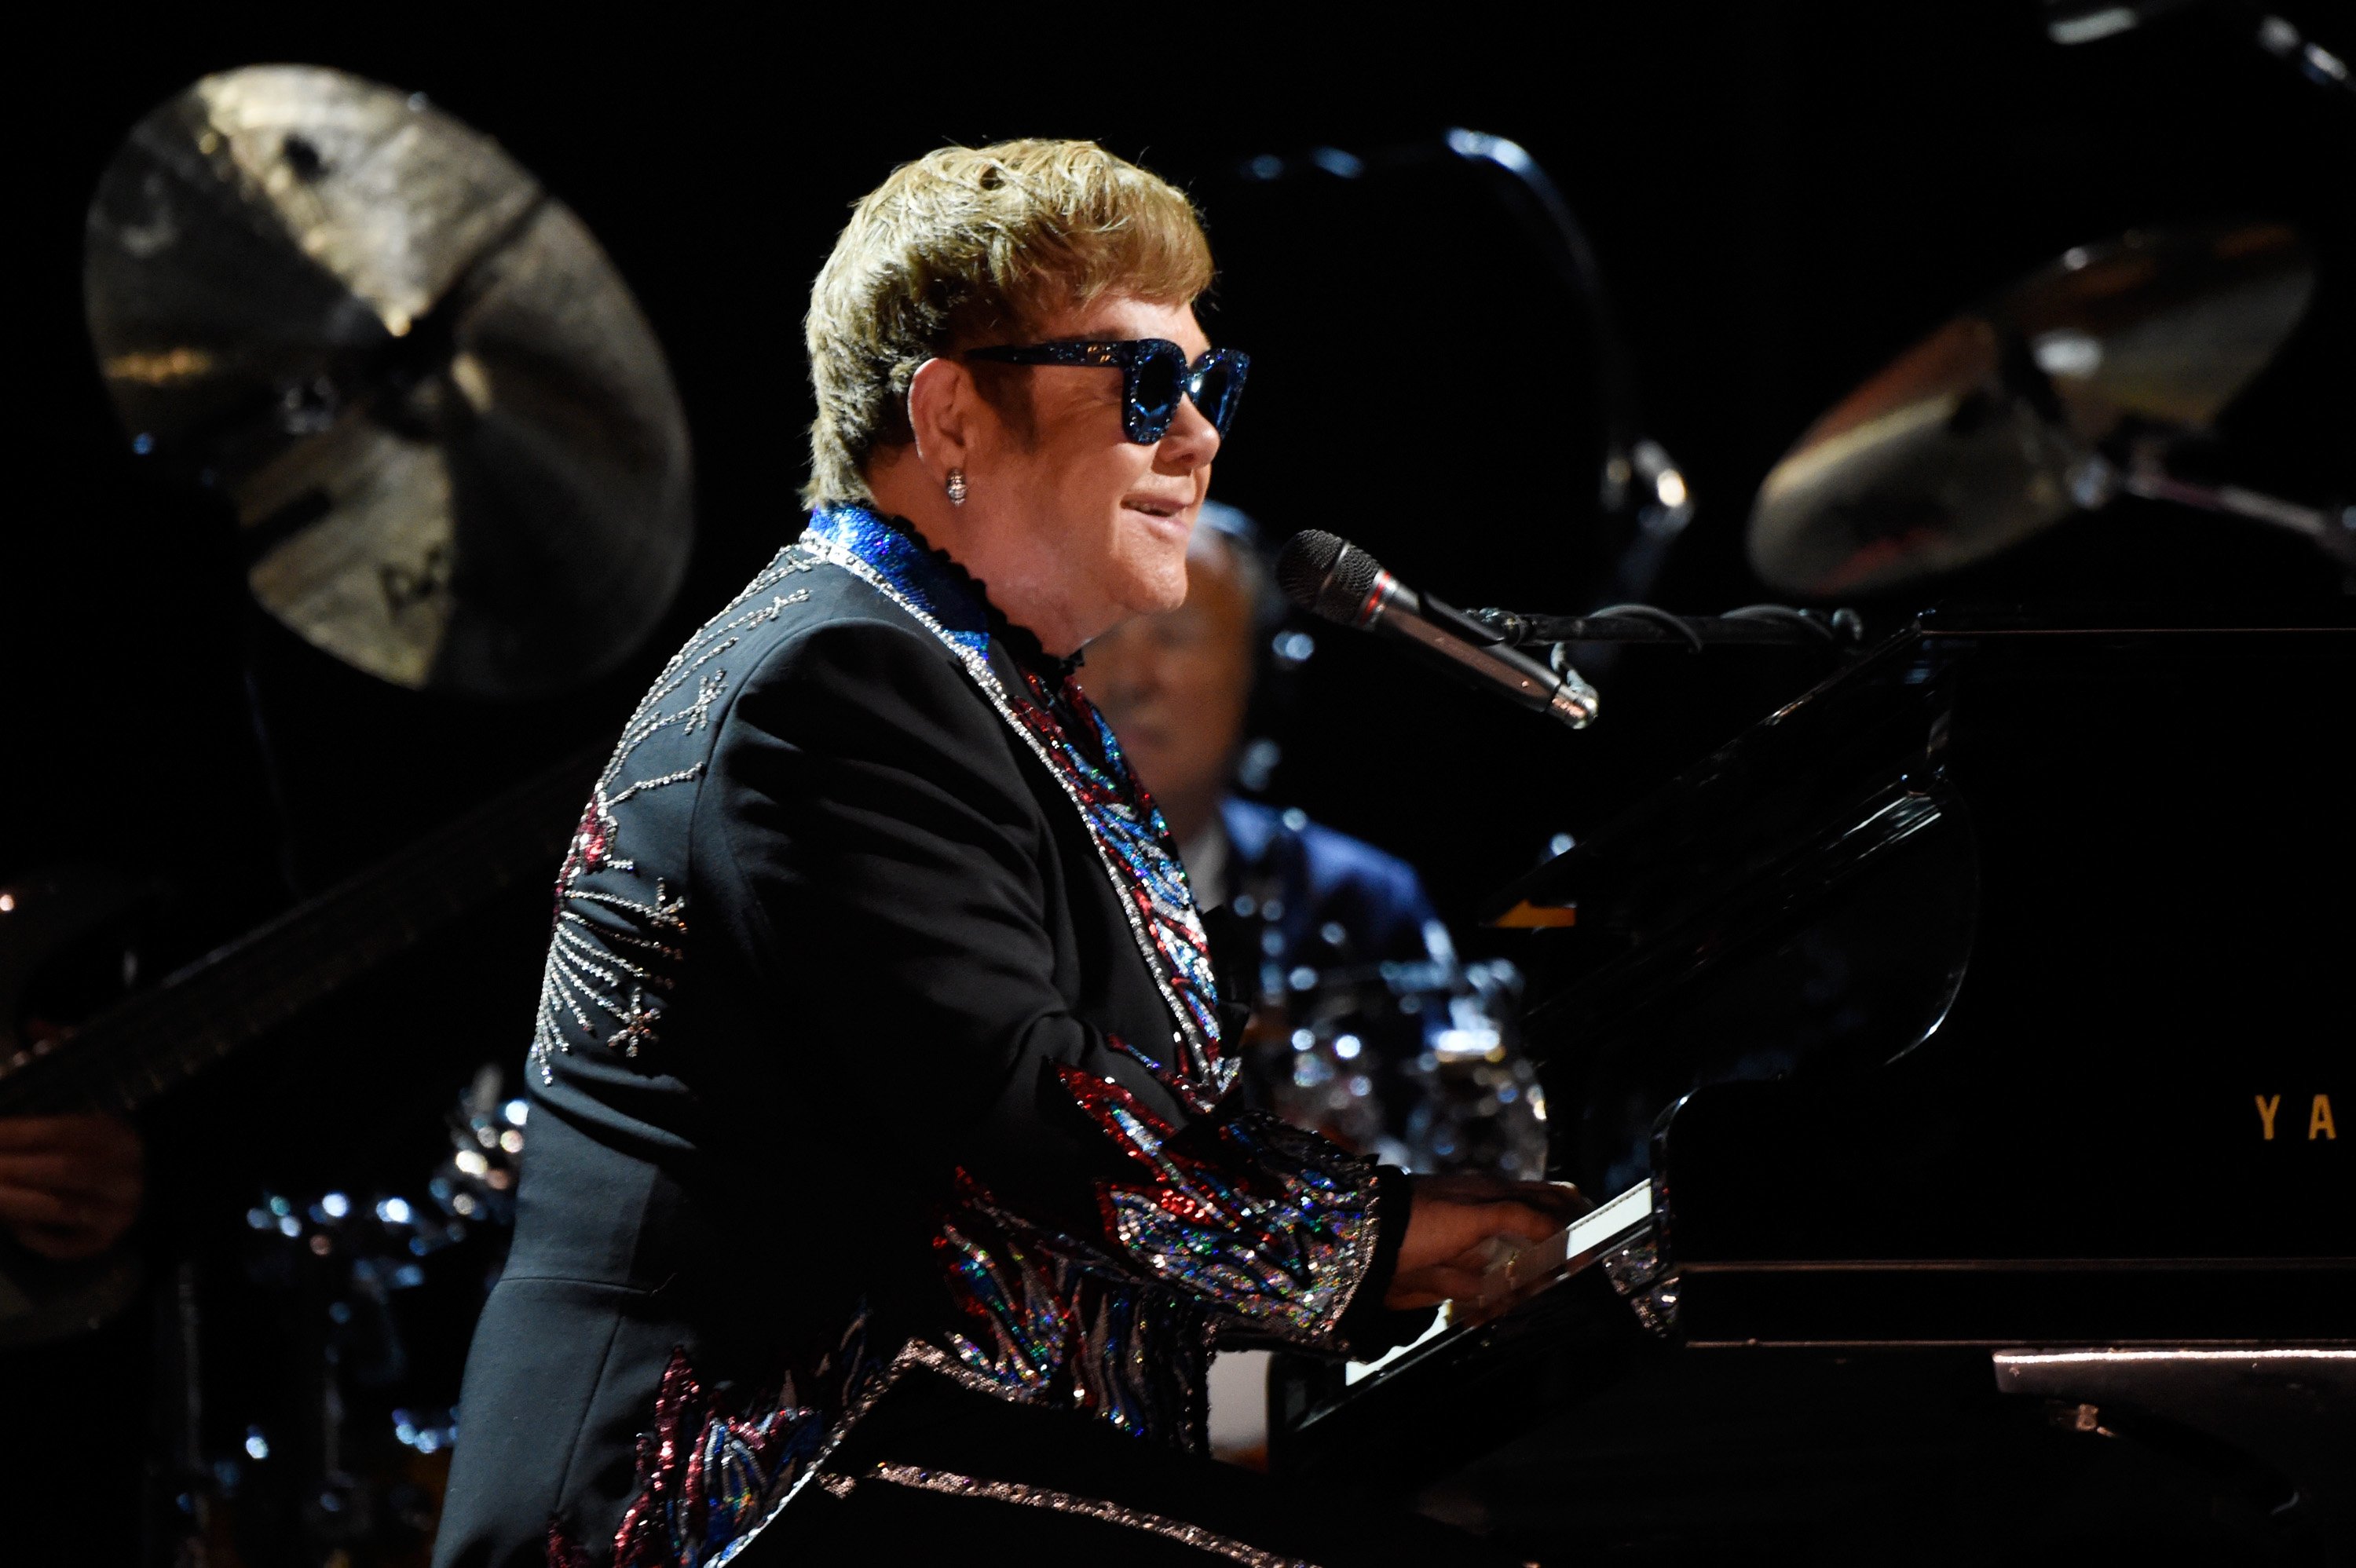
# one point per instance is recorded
(956, 486)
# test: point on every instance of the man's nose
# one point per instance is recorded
(1191, 442)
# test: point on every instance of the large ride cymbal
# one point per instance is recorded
(452, 443)
(1990, 429)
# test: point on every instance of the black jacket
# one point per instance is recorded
(877, 1041)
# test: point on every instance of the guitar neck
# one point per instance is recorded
(139, 1050)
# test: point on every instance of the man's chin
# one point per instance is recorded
(1150, 594)
(1153, 557)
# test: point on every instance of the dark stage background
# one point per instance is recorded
(1783, 196)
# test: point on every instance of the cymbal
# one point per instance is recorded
(456, 456)
(1992, 428)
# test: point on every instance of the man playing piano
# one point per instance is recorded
(886, 1186)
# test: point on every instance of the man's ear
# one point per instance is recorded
(940, 406)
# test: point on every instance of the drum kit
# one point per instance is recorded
(378, 1292)
(1419, 1063)
(457, 462)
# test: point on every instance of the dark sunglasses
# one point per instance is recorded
(1154, 376)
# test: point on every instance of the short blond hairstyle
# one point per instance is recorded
(969, 245)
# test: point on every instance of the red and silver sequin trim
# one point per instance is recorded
(1024, 1494)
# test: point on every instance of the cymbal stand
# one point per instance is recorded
(2144, 470)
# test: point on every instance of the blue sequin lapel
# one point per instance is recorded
(1130, 837)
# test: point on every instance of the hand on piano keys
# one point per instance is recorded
(1457, 1223)
(1511, 1268)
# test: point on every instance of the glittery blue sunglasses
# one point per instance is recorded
(1154, 376)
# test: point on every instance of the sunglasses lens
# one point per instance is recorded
(1156, 382)
(1216, 392)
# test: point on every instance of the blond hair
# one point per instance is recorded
(969, 245)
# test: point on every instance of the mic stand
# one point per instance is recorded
(1641, 485)
(1754, 625)
(2072, 22)
(1640, 480)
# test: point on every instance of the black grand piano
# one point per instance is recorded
(1978, 1036)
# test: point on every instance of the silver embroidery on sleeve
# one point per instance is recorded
(614, 954)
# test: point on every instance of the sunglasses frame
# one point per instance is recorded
(1130, 355)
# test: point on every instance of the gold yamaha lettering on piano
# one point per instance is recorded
(2319, 1118)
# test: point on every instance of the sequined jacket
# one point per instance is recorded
(879, 1037)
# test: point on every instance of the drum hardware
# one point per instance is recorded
(2077, 384)
(1419, 1062)
(2143, 467)
(345, 1269)
(456, 456)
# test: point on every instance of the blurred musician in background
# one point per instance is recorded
(1365, 1025)
(1358, 993)
(887, 1187)
(1178, 688)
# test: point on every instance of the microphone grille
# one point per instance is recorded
(1326, 574)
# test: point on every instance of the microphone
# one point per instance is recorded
(1329, 576)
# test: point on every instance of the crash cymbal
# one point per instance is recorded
(1993, 427)
(452, 441)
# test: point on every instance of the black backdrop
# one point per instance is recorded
(1783, 196)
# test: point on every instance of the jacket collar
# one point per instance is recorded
(931, 580)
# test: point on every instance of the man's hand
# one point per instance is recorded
(70, 1186)
(1453, 1219)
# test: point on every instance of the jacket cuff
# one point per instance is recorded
(1368, 1327)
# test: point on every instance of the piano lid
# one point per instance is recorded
(2061, 905)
